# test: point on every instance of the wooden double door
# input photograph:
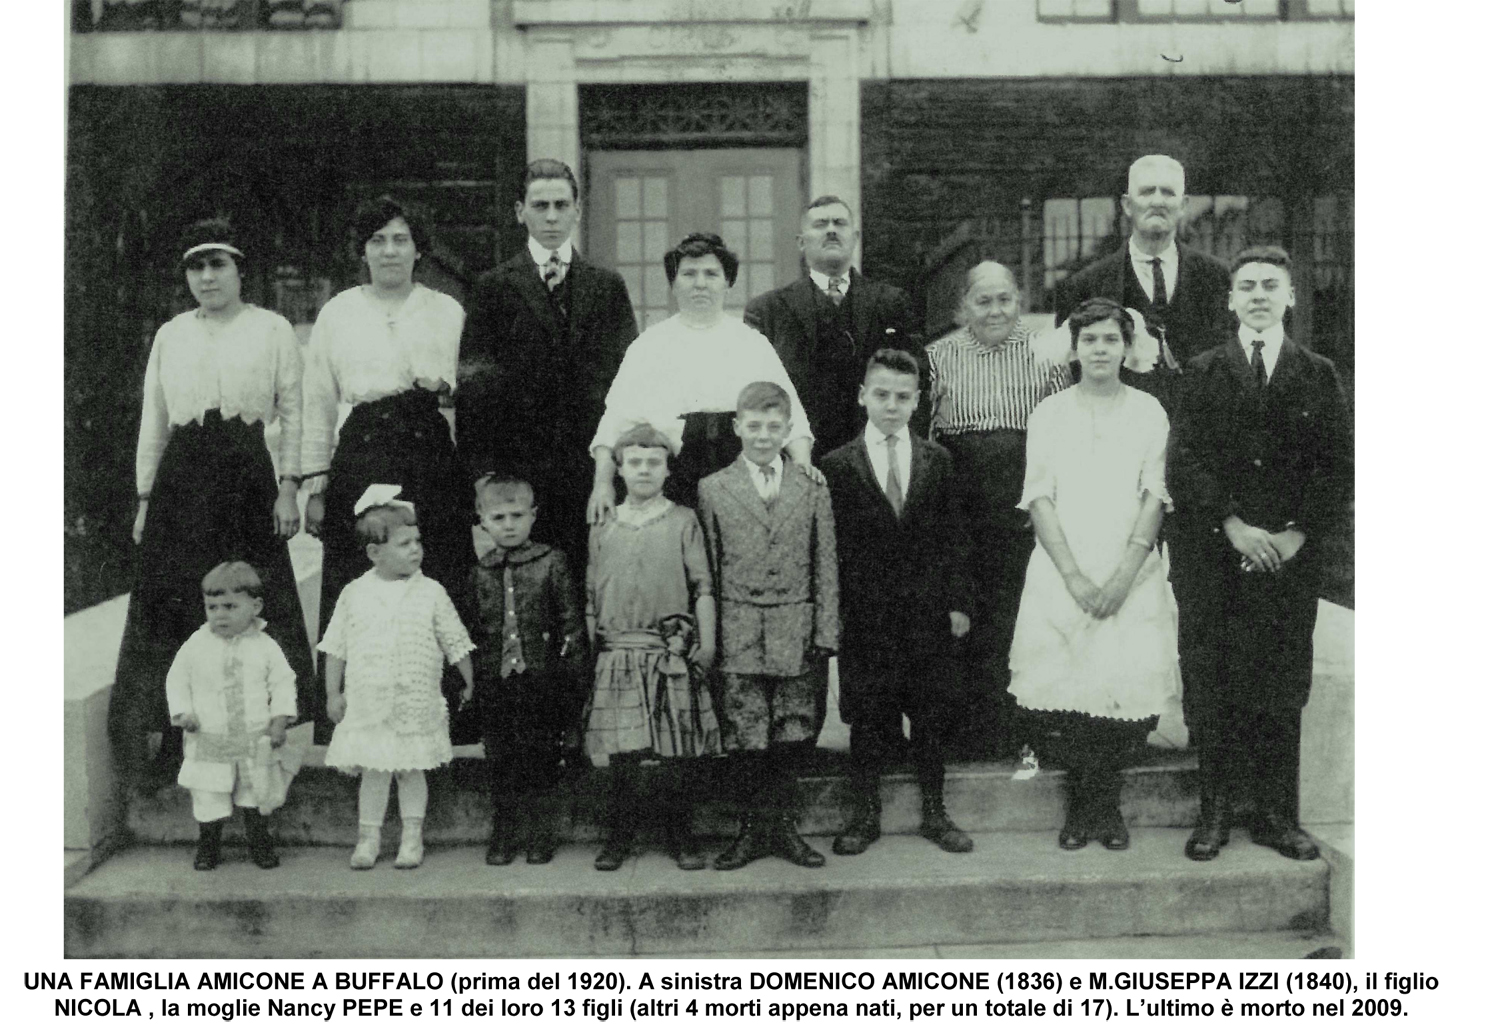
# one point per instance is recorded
(640, 203)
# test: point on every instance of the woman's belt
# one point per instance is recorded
(632, 639)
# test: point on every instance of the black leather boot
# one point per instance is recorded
(209, 845)
(257, 834)
(1212, 831)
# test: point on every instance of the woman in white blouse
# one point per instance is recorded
(683, 375)
(388, 348)
(208, 492)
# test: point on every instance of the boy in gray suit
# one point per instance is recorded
(771, 540)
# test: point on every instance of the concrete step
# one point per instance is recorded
(1016, 887)
(322, 806)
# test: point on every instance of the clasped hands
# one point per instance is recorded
(1263, 551)
(1099, 602)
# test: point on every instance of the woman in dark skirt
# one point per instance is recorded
(682, 376)
(389, 348)
(208, 491)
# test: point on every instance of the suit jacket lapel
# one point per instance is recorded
(861, 313)
(581, 275)
(739, 484)
(791, 491)
(800, 298)
(1239, 367)
(1289, 362)
(532, 288)
(862, 461)
(918, 468)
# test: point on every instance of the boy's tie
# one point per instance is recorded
(770, 491)
(894, 482)
(1258, 364)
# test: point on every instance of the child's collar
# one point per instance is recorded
(524, 553)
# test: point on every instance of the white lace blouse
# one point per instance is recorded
(248, 368)
(359, 353)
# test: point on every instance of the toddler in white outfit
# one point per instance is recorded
(389, 636)
(228, 687)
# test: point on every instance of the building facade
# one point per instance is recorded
(956, 129)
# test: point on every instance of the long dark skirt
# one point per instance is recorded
(709, 445)
(990, 467)
(401, 440)
(213, 501)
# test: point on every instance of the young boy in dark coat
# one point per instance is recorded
(530, 668)
(1261, 468)
(771, 540)
(904, 594)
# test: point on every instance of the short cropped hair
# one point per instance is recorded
(232, 577)
(372, 215)
(825, 201)
(701, 244)
(377, 523)
(1099, 309)
(210, 230)
(764, 396)
(549, 168)
(899, 361)
(1170, 163)
(641, 435)
(1261, 255)
(503, 489)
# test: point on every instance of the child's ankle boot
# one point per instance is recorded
(209, 845)
(367, 850)
(411, 844)
(257, 833)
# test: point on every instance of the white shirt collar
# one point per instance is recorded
(877, 438)
(541, 254)
(823, 281)
(766, 488)
(1272, 337)
(1144, 260)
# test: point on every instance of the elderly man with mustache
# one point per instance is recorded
(826, 324)
(1182, 293)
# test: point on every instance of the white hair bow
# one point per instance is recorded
(380, 495)
(1056, 346)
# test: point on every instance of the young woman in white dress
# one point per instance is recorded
(1095, 649)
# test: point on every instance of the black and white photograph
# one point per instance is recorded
(798, 479)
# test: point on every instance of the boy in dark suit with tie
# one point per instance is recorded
(902, 552)
(771, 540)
(1261, 468)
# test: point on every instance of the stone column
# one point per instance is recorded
(835, 118)
(551, 108)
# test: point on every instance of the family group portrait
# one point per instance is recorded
(855, 479)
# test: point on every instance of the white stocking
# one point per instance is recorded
(373, 797)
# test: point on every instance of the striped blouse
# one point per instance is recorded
(976, 388)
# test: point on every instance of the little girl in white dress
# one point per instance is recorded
(391, 632)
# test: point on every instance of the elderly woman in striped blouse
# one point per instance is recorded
(985, 379)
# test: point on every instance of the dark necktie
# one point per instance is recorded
(894, 481)
(834, 290)
(1258, 365)
(1159, 284)
(553, 271)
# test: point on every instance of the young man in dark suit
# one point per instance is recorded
(1181, 292)
(545, 333)
(902, 553)
(1260, 468)
(825, 325)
